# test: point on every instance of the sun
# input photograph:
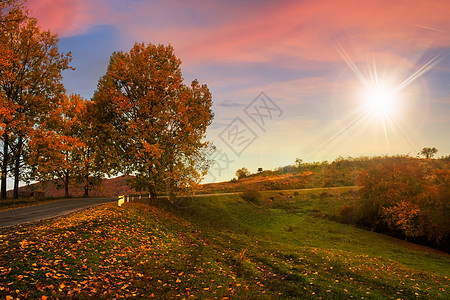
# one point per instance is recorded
(380, 101)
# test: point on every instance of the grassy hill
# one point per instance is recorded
(340, 172)
(282, 246)
(265, 181)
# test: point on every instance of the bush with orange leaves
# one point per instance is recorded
(408, 196)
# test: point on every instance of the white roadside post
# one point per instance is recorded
(121, 200)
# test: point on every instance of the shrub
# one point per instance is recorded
(324, 194)
(346, 214)
(242, 173)
(408, 196)
(253, 196)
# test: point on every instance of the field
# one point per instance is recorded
(282, 246)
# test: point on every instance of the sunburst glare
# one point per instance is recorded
(383, 99)
(380, 101)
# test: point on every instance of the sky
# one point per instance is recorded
(311, 79)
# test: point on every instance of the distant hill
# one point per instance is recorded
(118, 186)
(109, 188)
(261, 182)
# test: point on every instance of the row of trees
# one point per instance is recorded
(30, 85)
(143, 120)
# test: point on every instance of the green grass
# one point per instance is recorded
(283, 247)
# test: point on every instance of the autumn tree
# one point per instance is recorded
(428, 152)
(298, 164)
(30, 82)
(95, 162)
(153, 123)
(66, 149)
(56, 146)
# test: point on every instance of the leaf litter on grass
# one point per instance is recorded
(143, 251)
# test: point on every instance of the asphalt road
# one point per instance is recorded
(63, 207)
(53, 209)
(48, 210)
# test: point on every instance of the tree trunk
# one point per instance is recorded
(86, 186)
(5, 164)
(17, 167)
(86, 176)
(152, 196)
(66, 184)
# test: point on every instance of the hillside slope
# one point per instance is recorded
(279, 247)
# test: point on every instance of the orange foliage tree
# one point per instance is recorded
(55, 148)
(30, 82)
(95, 162)
(64, 148)
(153, 122)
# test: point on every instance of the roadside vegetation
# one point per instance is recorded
(405, 197)
(217, 247)
(343, 171)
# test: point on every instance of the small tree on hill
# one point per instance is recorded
(428, 152)
(242, 173)
(298, 164)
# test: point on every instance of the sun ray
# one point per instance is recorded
(386, 136)
(336, 135)
(422, 70)
(352, 65)
(404, 134)
(374, 74)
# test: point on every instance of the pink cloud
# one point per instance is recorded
(58, 15)
(306, 30)
(70, 17)
(259, 31)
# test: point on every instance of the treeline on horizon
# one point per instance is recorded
(343, 171)
(403, 196)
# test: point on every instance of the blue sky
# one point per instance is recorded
(304, 55)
